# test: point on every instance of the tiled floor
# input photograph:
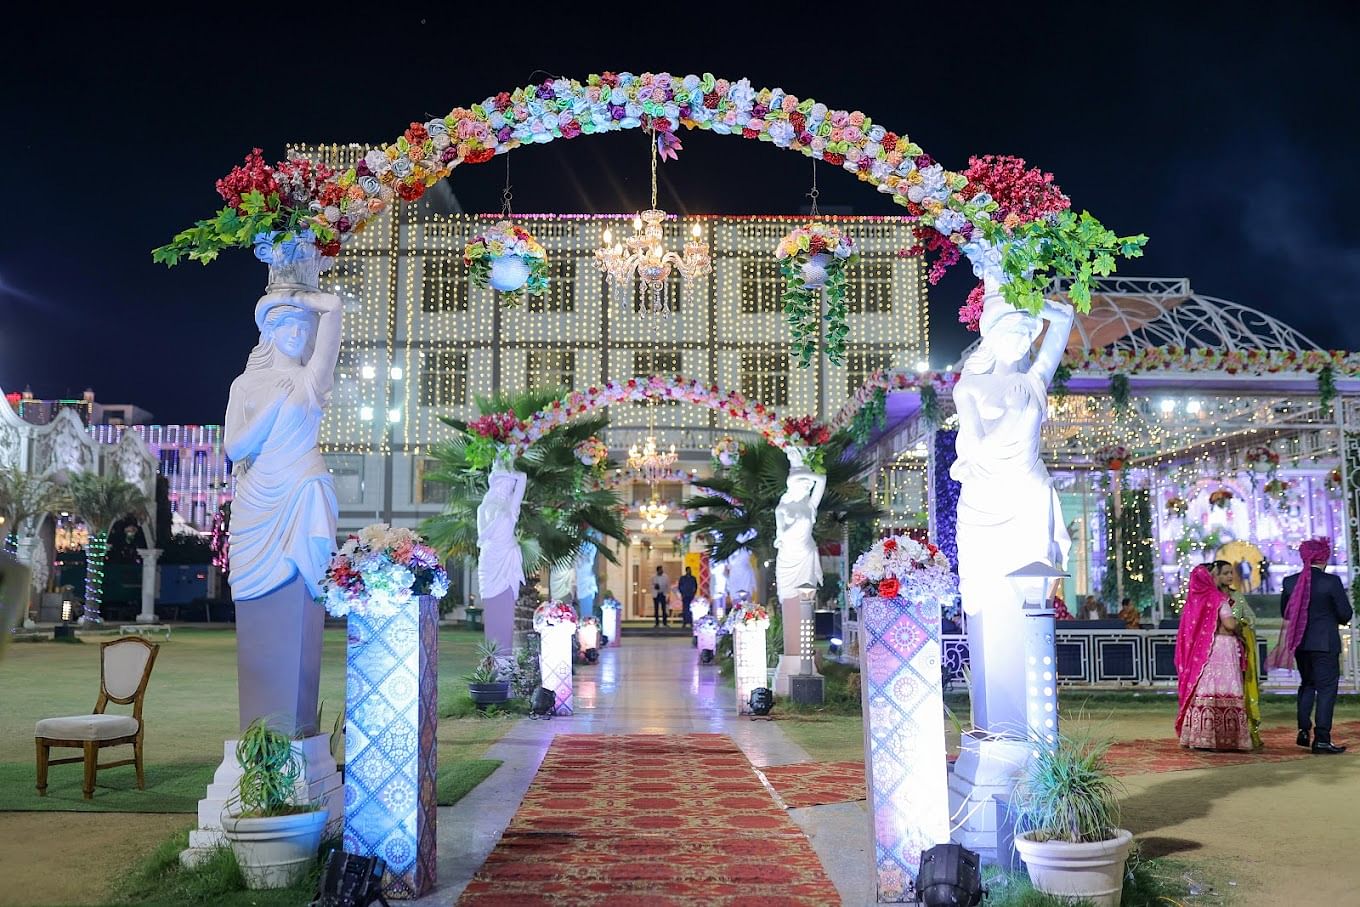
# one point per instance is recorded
(644, 686)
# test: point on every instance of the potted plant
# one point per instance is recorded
(485, 684)
(508, 259)
(1066, 810)
(275, 837)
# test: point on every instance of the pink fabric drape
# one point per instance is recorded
(1195, 637)
(1314, 553)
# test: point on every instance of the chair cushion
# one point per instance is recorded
(87, 727)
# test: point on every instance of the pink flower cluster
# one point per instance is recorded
(499, 427)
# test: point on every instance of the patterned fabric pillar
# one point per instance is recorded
(391, 688)
(554, 663)
(903, 739)
(748, 651)
(944, 495)
(705, 575)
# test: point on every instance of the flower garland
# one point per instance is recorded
(504, 239)
(552, 614)
(901, 567)
(1222, 499)
(1201, 359)
(379, 570)
(813, 257)
(336, 206)
(1278, 488)
(1113, 456)
(1177, 507)
(883, 382)
(726, 451)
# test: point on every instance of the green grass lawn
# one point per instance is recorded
(190, 710)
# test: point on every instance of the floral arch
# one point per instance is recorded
(1009, 221)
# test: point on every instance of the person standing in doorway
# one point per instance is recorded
(1314, 604)
(661, 590)
(689, 587)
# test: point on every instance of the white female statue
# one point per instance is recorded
(1008, 512)
(796, 561)
(284, 511)
(500, 565)
(741, 577)
(587, 586)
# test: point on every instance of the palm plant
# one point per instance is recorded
(745, 498)
(101, 501)
(562, 506)
(23, 497)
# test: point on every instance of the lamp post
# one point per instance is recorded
(807, 686)
(1041, 670)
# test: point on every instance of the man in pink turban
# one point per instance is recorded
(1314, 604)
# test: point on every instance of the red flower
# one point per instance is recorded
(711, 100)
(889, 587)
(890, 545)
(480, 156)
(890, 141)
(833, 158)
(417, 134)
(933, 549)
(331, 249)
(798, 121)
(410, 191)
(502, 101)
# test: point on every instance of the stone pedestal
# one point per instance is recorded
(498, 616)
(150, 556)
(391, 725)
(985, 772)
(320, 781)
(278, 659)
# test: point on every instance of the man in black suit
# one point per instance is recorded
(1314, 615)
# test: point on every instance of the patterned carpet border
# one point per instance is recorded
(649, 819)
(819, 783)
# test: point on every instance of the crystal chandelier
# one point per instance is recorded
(644, 255)
(654, 514)
(650, 461)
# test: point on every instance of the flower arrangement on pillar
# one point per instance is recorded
(726, 451)
(387, 582)
(508, 259)
(812, 258)
(593, 453)
(555, 622)
(491, 439)
(901, 585)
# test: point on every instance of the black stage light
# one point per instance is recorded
(592, 656)
(761, 702)
(951, 876)
(706, 656)
(350, 880)
(542, 703)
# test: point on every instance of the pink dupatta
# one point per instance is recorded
(1195, 636)
(1313, 553)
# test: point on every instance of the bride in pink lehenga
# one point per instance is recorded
(1209, 655)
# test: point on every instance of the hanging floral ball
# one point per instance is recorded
(509, 273)
(508, 259)
(726, 451)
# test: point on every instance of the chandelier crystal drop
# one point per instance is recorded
(651, 463)
(643, 256)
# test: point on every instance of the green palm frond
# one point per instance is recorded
(103, 500)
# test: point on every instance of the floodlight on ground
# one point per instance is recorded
(833, 647)
(951, 876)
(542, 703)
(761, 702)
(350, 880)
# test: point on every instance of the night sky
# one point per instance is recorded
(1227, 133)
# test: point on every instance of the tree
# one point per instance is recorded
(101, 501)
(24, 497)
(745, 497)
(561, 501)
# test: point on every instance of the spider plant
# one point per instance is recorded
(1067, 793)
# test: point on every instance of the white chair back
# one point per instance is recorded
(124, 664)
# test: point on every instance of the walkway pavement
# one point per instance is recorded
(644, 686)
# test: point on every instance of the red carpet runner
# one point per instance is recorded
(649, 820)
(818, 783)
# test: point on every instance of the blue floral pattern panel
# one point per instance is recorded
(391, 723)
(903, 738)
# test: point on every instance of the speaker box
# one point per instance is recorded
(807, 689)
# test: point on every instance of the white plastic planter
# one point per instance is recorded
(276, 851)
(1094, 871)
(813, 271)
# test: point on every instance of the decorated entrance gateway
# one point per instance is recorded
(1013, 224)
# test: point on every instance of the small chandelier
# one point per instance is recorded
(654, 514)
(644, 255)
(650, 461)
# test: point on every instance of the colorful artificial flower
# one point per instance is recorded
(593, 452)
(507, 239)
(726, 451)
(902, 567)
(552, 614)
(812, 258)
(379, 571)
(1262, 458)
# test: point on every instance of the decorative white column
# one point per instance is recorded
(150, 557)
(555, 623)
(609, 608)
(749, 653)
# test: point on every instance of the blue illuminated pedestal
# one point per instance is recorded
(903, 738)
(390, 730)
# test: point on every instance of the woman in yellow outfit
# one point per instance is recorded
(1225, 576)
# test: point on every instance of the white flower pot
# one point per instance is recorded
(813, 271)
(1091, 871)
(508, 273)
(277, 851)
